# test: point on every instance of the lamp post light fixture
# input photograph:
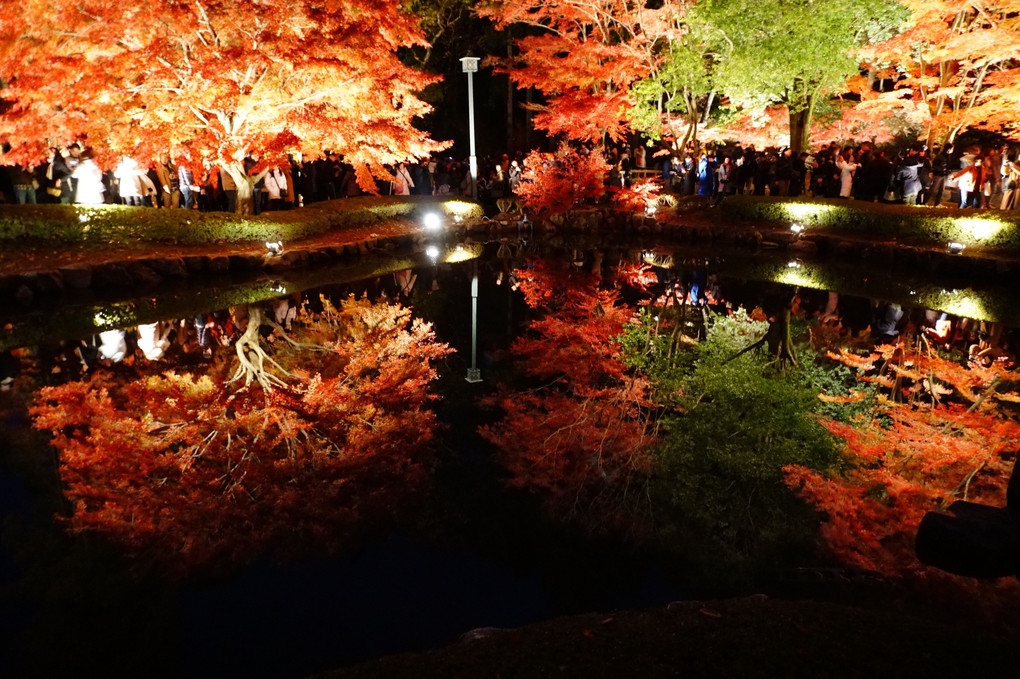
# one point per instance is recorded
(470, 66)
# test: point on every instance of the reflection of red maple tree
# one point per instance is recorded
(939, 434)
(181, 470)
(581, 438)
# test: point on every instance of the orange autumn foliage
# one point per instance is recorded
(213, 80)
(937, 433)
(555, 183)
(955, 64)
(584, 55)
(579, 440)
(184, 472)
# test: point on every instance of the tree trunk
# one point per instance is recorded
(244, 185)
(800, 128)
(708, 107)
(509, 101)
(777, 339)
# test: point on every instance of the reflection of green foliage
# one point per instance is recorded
(736, 425)
(836, 379)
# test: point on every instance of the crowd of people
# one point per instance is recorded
(971, 177)
(981, 177)
(70, 175)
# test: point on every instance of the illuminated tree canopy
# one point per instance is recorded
(214, 80)
(584, 55)
(610, 66)
(956, 63)
(794, 53)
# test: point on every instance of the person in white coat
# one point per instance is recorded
(846, 166)
(127, 183)
(276, 188)
(402, 183)
(89, 188)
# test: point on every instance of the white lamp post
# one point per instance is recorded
(470, 66)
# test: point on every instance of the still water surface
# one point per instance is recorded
(481, 556)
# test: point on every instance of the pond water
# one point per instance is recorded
(474, 554)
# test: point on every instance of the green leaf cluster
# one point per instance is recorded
(789, 52)
(784, 49)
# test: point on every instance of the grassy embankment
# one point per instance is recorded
(984, 232)
(122, 225)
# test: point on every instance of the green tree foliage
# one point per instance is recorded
(794, 52)
(680, 91)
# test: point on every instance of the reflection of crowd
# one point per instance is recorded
(201, 338)
(178, 341)
(858, 318)
(206, 336)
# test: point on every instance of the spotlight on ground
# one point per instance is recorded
(432, 221)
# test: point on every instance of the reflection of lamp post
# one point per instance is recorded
(473, 373)
(470, 66)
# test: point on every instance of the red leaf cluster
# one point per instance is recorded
(211, 81)
(579, 440)
(584, 55)
(182, 471)
(937, 434)
(555, 183)
(955, 64)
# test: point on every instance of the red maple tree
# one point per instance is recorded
(956, 65)
(558, 182)
(584, 55)
(213, 81)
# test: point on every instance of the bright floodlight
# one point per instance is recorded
(432, 221)
(432, 251)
